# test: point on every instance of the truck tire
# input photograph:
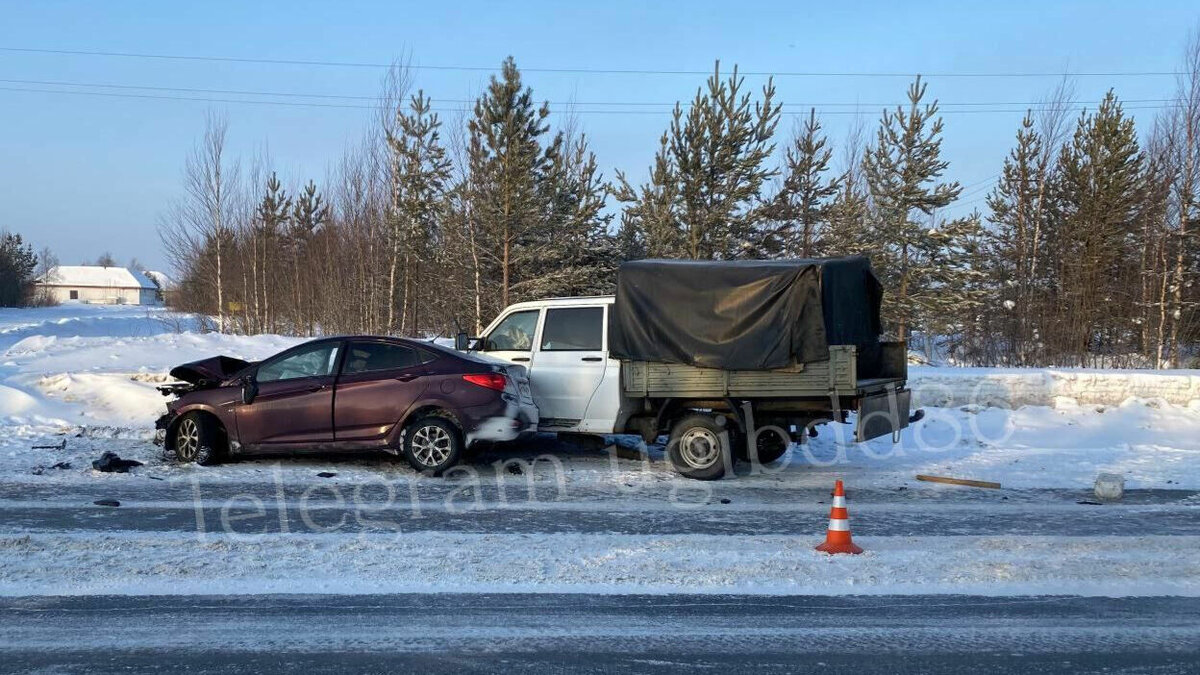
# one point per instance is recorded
(699, 447)
(769, 445)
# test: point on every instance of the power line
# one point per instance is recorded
(312, 104)
(291, 94)
(579, 71)
(1037, 105)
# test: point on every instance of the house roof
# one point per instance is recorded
(94, 276)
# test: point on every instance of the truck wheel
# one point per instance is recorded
(700, 448)
(432, 444)
(196, 440)
(769, 446)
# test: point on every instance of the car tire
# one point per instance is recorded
(699, 447)
(432, 445)
(197, 440)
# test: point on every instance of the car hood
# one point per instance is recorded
(209, 372)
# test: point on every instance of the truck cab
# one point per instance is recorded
(563, 343)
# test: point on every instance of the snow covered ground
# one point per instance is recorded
(86, 374)
(80, 379)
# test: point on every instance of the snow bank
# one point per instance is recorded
(183, 564)
(1015, 387)
(97, 365)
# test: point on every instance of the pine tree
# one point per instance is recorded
(269, 225)
(505, 161)
(424, 170)
(920, 258)
(1098, 247)
(650, 225)
(309, 214)
(702, 200)
(719, 151)
(577, 255)
(17, 263)
(800, 211)
(848, 212)
(1015, 242)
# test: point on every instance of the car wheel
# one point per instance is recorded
(700, 447)
(196, 439)
(432, 445)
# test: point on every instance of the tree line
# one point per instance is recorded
(1086, 253)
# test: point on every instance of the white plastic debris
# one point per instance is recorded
(1110, 486)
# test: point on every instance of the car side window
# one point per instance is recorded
(579, 329)
(515, 332)
(365, 357)
(315, 361)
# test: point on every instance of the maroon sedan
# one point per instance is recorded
(346, 394)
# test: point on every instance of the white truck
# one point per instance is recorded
(586, 378)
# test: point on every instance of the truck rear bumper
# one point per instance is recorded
(883, 413)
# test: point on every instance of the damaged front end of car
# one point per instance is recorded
(194, 376)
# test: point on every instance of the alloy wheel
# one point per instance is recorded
(431, 445)
(187, 440)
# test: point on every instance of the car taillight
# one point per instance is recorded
(489, 380)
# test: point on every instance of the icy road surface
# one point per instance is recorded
(479, 633)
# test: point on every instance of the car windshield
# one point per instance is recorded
(313, 361)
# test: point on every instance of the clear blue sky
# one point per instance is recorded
(84, 174)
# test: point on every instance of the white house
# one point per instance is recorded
(99, 285)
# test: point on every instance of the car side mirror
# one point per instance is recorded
(462, 342)
(249, 389)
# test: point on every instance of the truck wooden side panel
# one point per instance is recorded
(673, 380)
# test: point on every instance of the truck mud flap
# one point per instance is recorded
(882, 414)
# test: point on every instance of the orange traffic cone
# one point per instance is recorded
(837, 538)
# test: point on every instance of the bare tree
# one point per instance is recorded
(198, 228)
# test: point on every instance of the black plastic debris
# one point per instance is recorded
(106, 502)
(109, 462)
(57, 446)
(726, 500)
(40, 469)
(326, 474)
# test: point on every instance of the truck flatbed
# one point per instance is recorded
(840, 375)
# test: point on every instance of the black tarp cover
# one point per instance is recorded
(743, 315)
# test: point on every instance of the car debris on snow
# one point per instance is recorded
(110, 462)
(56, 446)
(106, 502)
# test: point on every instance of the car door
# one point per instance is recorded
(512, 338)
(569, 363)
(379, 381)
(294, 402)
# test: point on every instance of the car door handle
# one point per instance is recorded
(522, 359)
(317, 387)
(407, 377)
(593, 359)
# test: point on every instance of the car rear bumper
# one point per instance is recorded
(513, 420)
